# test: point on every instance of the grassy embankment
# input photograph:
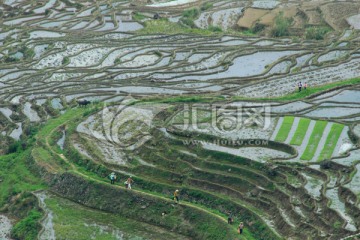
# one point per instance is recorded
(73, 221)
(312, 90)
(17, 180)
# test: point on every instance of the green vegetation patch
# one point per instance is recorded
(331, 141)
(189, 16)
(66, 60)
(16, 176)
(282, 25)
(314, 140)
(284, 129)
(300, 132)
(316, 33)
(138, 16)
(191, 13)
(212, 28)
(72, 221)
(206, 6)
(28, 228)
(257, 28)
(166, 27)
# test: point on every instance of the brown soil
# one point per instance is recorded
(251, 15)
(335, 14)
(314, 17)
(269, 18)
(299, 19)
(305, 13)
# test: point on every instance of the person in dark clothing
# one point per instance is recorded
(240, 228)
(300, 86)
(230, 218)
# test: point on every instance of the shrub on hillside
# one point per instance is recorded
(214, 28)
(191, 13)
(281, 27)
(206, 6)
(188, 22)
(28, 228)
(258, 27)
(316, 33)
(189, 16)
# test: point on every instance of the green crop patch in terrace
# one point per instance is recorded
(164, 26)
(284, 129)
(331, 141)
(314, 140)
(300, 131)
(167, 27)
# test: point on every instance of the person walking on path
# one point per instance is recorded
(300, 86)
(230, 218)
(176, 196)
(129, 181)
(305, 86)
(112, 177)
(240, 228)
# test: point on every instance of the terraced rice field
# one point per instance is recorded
(212, 110)
(284, 129)
(300, 133)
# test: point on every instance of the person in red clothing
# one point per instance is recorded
(129, 181)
